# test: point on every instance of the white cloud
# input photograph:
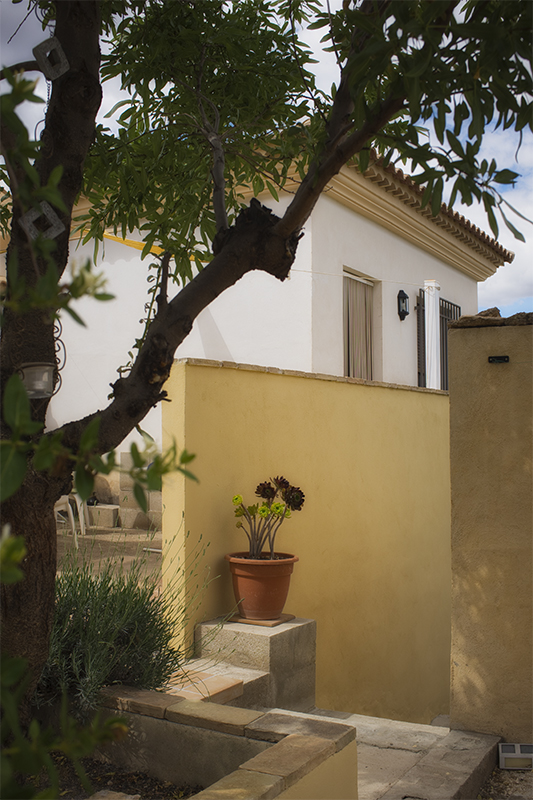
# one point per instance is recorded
(512, 285)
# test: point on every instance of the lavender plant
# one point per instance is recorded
(262, 521)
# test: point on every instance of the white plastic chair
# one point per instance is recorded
(64, 504)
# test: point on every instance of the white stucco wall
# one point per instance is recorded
(297, 324)
(343, 239)
(259, 320)
(94, 352)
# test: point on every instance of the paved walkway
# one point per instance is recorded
(396, 760)
(101, 545)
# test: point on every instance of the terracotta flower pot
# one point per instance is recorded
(261, 585)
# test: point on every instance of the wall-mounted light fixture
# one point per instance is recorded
(403, 304)
(38, 379)
(42, 379)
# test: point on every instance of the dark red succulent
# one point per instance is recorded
(293, 497)
(266, 491)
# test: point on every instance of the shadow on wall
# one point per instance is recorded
(492, 509)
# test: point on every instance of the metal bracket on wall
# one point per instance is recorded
(498, 359)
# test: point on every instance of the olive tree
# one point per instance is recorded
(220, 96)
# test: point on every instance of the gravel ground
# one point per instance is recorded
(508, 784)
(102, 775)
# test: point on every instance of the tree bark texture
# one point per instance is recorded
(27, 607)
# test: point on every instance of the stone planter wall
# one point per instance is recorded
(233, 752)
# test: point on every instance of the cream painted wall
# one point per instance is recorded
(373, 537)
(492, 530)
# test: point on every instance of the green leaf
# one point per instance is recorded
(12, 470)
(140, 496)
(17, 409)
(505, 176)
(364, 159)
(516, 233)
(47, 451)
(74, 315)
(138, 460)
(154, 480)
(12, 551)
(188, 474)
(515, 211)
(84, 482)
(436, 198)
(12, 670)
(186, 457)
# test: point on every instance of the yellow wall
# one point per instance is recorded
(492, 521)
(373, 537)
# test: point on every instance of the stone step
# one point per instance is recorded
(399, 760)
(220, 682)
(195, 682)
(283, 654)
(103, 515)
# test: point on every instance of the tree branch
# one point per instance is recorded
(162, 297)
(331, 161)
(22, 66)
(252, 243)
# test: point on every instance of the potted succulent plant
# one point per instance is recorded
(261, 576)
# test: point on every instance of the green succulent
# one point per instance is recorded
(261, 522)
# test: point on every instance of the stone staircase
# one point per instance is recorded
(273, 669)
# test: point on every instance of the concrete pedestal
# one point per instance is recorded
(283, 656)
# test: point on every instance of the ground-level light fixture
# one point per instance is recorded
(403, 304)
(38, 379)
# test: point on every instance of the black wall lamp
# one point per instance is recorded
(403, 305)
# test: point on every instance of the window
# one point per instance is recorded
(358, 340)
(421, 338)
(447, 311)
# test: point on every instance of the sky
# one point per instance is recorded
(510, 289)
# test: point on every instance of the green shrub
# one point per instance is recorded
(26, 752)
(111, 625)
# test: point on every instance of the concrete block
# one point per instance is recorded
(103, 516)
(255, 692)
(127, 498)
(293, 689)
(334, 779)
(179, 753)
(155, 501)
(197, 685)
(456, 767)
(212, 715)
(134, 518)
(292, 758)
(386, 733)
(243, 785)
(287, 652)
(274, 726)
(156, 519)
(138, 701)
(379, 769)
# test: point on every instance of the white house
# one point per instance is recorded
(367, 244)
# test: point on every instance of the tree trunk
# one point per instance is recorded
(27, 606)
